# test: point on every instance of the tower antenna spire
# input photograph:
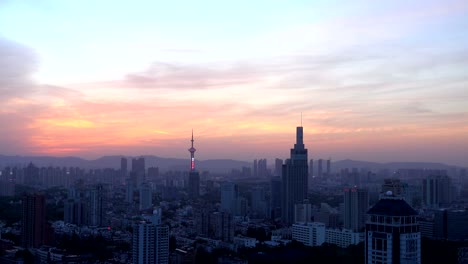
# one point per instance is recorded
(301, 118)
(192, 155)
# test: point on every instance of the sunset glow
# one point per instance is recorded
(385, 82)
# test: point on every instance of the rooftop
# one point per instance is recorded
(392, 207)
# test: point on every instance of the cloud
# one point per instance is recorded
(17, 63)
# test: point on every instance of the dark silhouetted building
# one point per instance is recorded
(320, 168)
(436, 191)
(275, 197)
(33, 221)
(294, 178)
(356, 204)
(278, 167)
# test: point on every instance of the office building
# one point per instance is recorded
(294, 178)
(33, 220)
(356, 204)
(392, 233)
(342, 237)
(311, 234)
(328, 167)
(451, 224)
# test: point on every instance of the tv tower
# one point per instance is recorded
(192, 155)
(194, 177)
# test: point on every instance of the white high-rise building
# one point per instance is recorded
(150, 241)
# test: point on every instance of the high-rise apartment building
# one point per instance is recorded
(146, 196)
(392, 233)
(96, 206)
(150, 241)
(294, 178)
(138, 171)
(320, 168)
(275, 197)
(436, 191)
(229, 197)
(33, 220)
(278, 167)
(356, 204)
(123, 169)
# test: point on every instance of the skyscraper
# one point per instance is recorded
(194, 176)
(294, 178)
(356, 203)
(33, 221)
(392, 233)
(328, 167)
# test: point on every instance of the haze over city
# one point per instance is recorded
(373, 81)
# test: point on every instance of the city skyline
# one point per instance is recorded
(374, 81)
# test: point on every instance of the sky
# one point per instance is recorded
(374, 80)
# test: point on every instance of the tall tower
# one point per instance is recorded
(194, 176)
(294, 178)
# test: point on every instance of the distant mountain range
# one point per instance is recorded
(390, 165)
(213, 165)
(164, 164)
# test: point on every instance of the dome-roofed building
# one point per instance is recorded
(392, 232)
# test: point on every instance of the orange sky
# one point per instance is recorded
(373, 82)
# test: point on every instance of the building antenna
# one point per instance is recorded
(301, 119)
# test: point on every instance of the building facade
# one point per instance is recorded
(392, 233)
